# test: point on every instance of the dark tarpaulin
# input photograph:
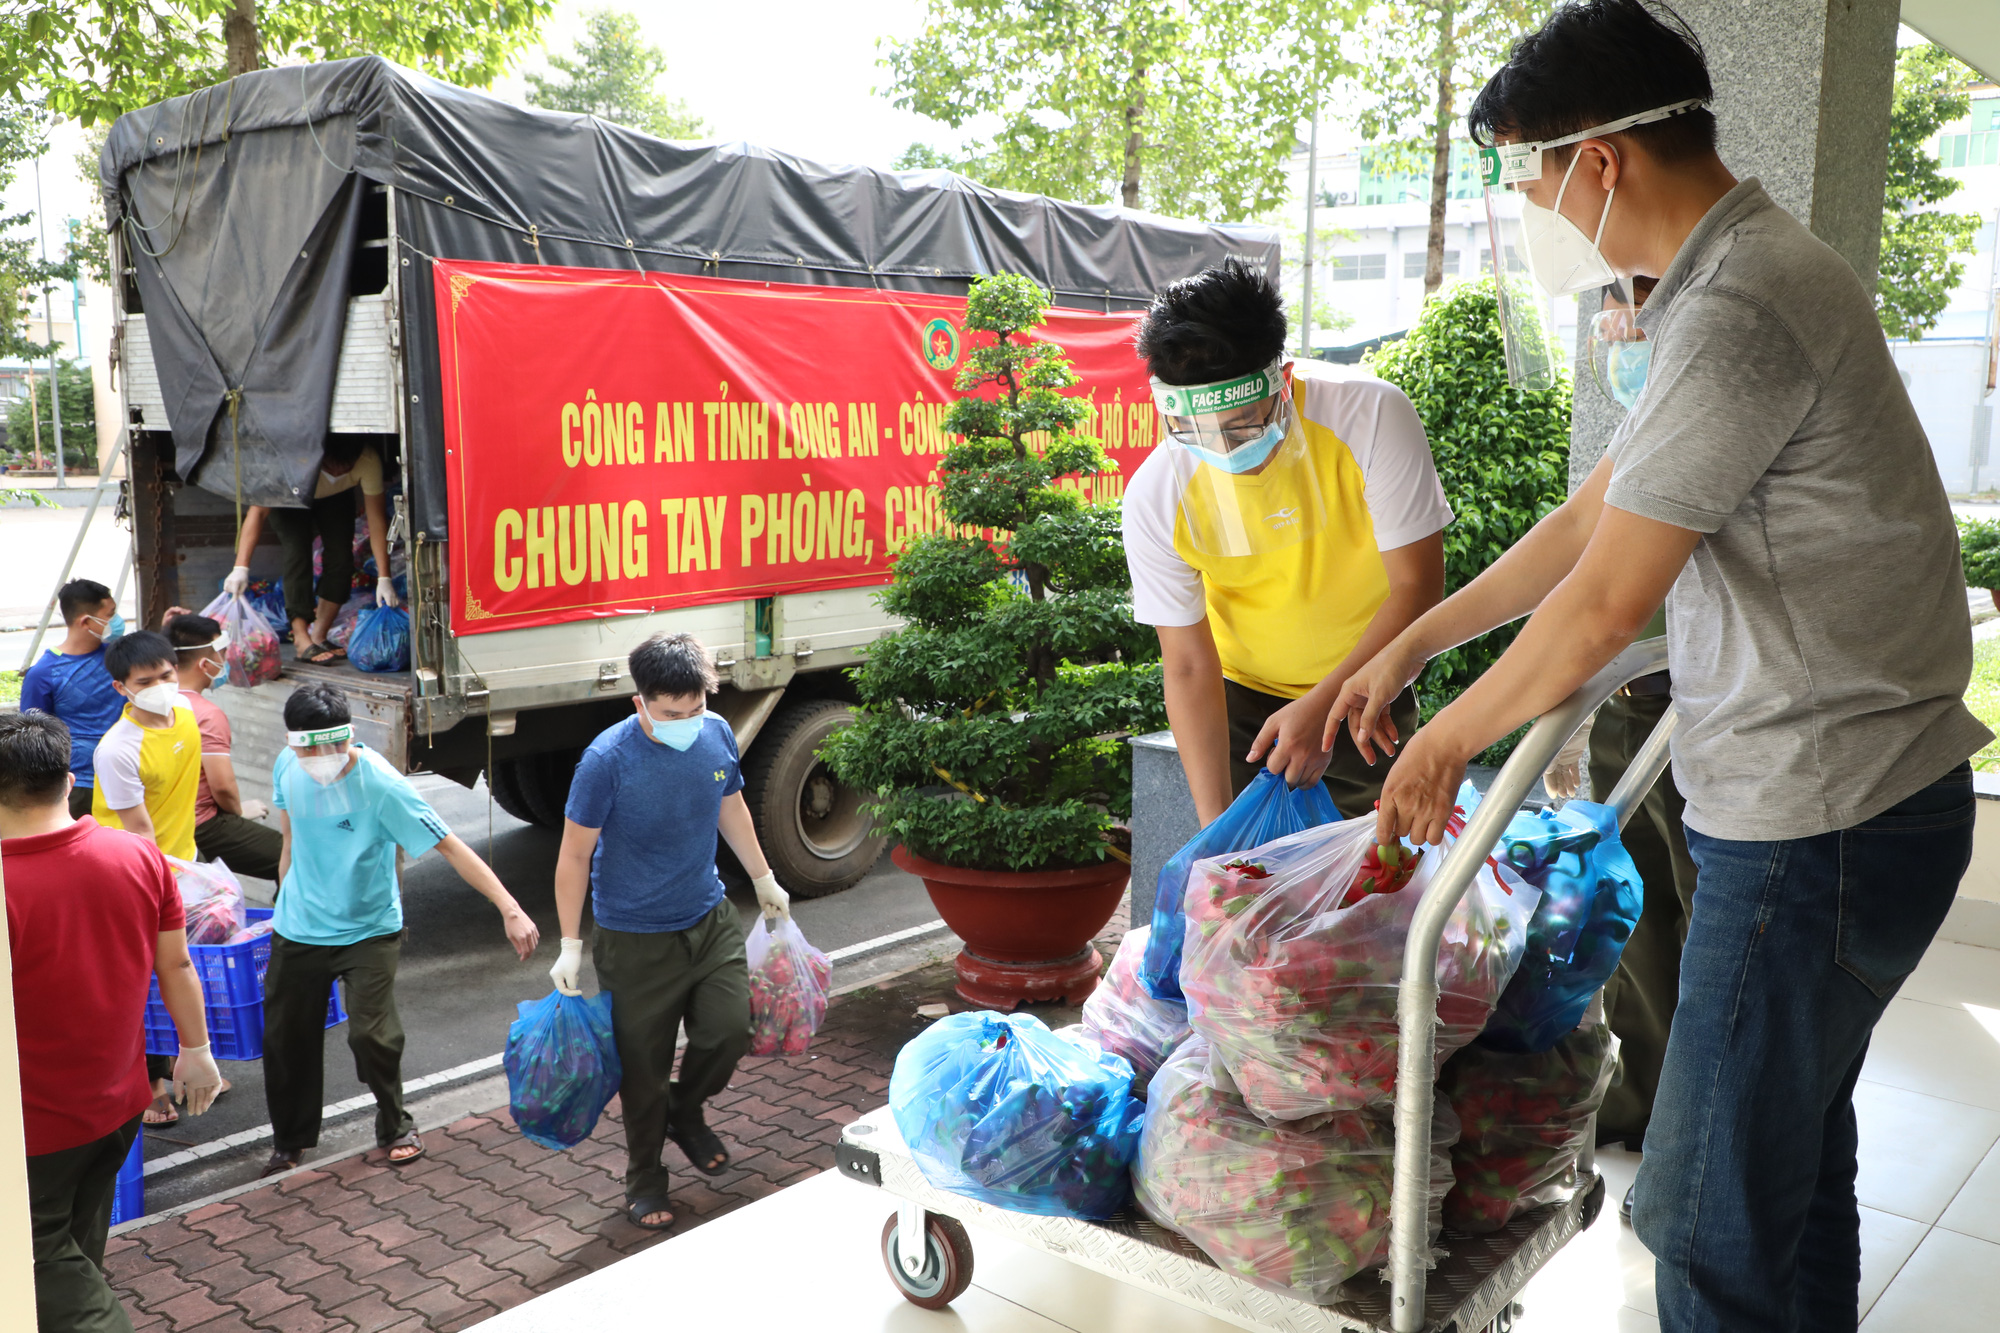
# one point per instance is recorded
(477, 178)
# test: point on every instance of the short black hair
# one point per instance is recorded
(316, 705)
(672, 664)
(344, 449)
(79, 597)
(191, 634)
(34, 756)
(141, 648)
(1223, 322)
(1594, 61)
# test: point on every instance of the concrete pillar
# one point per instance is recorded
(1802, 92)
(1163, 817)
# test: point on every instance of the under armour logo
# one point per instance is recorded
(719, 775)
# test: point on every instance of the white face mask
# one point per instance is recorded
(1562, 259)
(324, 769)
(159, 698)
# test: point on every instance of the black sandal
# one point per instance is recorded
(281, 1162)
(319, 654)
(408, 1140)
(701, 1147)
(639, 1209)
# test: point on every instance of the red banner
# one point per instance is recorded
(618, 442)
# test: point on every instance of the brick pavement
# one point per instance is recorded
(487, 1219)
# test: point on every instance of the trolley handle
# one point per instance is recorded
(1417, 996)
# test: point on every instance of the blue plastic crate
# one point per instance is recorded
(128, 1199)
(232, 989)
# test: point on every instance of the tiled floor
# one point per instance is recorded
(1930, 1185)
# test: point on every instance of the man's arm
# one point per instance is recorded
(137, 819)
(521, 931)
(284, 848)
(180, 988)
(573, 876)
(220, 770)
(740, 833)
(1508, 589)
(1198, 712)
(1299, 742)
(1589, 618)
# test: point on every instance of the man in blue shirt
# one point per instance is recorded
(343, 812)
(69, 682)
(649, 797)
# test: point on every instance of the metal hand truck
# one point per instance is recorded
(1471, 1289)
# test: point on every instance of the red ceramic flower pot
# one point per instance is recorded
(1027, 933)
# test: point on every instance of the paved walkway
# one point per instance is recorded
(487, 1219)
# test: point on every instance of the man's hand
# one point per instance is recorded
(774, 900)
(522, 932)
(1565, 772)
(385, 593)
(1298, 740)
(238, 580)
(568, 967)
(196, 1079)
(1365, 698)
(170, 613)
(255, 809)
(1421, 789)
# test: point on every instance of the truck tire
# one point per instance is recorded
(810, 824)
(535, 788)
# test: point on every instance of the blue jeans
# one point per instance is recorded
(1746, 1194)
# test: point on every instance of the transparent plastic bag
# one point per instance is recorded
(1294, 952)
(252, 655)
(1125, 1018)
(1291, 1209)
(789, 984)
(1523, 1121)
(212, 897)
(1591, 898)
(1266, 810)
(562, 1067)
(381, 640)
(342, 628)
(256, 930)
(1000, 1109)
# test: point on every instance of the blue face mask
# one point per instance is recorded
(1246, 457)
(1625, 370)
(680, 733)
(116, 629)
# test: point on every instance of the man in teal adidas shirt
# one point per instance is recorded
(343, 812)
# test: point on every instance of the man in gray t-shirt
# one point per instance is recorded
(1773, 486)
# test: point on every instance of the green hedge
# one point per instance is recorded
(1502, 454)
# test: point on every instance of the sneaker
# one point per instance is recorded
(1625, 1208)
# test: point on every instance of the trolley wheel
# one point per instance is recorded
(947, 1262)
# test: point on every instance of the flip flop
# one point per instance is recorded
(409, 1140)
(701, 1147)
(320, 654)
(639, 1209)
(281, 1162)
(161, 1113)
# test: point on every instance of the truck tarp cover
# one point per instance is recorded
(241, 206)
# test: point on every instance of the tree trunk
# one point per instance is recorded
(1440, 153)
(239, 38)
(1134, 138)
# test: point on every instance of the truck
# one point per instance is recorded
(546, 322)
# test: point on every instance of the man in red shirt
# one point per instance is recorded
(226, 826)
(92, 914)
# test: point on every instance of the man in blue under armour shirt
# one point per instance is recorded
(649, 798)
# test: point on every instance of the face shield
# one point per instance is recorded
(1529, 239)
(322, 754)
(1619, 354)
(1248, 483)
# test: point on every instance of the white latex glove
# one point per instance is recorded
(568, 966)
(196, 1079)
(238, 580)
(255, 810)
(1565, 772)
(776, 903)
(385, 593)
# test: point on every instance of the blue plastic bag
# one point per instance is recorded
(562, 1067)
(1266, 811)
(1591, 899)
(999, 1108)
(380, 640)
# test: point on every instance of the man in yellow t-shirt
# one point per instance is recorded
(149, 762)
(1288, 527)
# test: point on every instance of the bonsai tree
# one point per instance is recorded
(992, 729)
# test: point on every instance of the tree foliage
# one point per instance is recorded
(94, 60)
(1979, 550)
(1919, 269)
(992, 729)
(1189, 107)
(1417, 64)
(23, 274)
(79, 420)
(615, 76)
(1502, 453)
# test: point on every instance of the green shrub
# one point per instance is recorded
(1502, 454)
(79, 420)
(1979, 549)
(992, 729)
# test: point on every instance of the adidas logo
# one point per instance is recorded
(347, 824)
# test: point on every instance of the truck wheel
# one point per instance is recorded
(500, 782)
(810, 824)
(538, 784)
